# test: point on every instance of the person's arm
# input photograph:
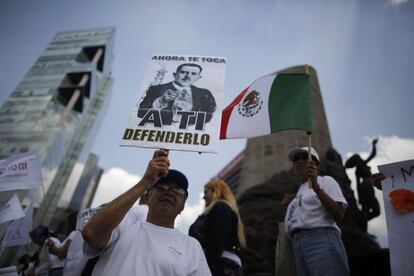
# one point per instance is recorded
(373, 152)
(376, 179)
(60, 252)
(153, 93)
(333, 208)
(98, 230)
(287, 198)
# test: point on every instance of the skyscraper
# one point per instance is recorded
(57, 109)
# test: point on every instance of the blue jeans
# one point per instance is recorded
(319, 251)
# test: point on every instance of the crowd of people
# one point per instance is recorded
(121, 238)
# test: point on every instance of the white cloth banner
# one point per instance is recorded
(17, 232)
(12, 210)
(8, 271)
(180, 104)
(398, 195)
(22, 171)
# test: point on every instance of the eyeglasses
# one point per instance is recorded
(303, 157)
(167, 187)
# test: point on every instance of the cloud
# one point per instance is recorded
(114, 182)
(397, 2)
(389, 149)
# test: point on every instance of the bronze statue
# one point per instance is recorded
(367, 199)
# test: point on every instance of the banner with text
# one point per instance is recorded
(180, 104)
(398, 195)
(12, 210)
(22, 171)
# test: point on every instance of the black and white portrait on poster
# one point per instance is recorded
(180, 102)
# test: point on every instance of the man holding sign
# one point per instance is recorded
(174, 98)
(152, 247)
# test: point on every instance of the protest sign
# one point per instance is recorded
(180, 104)
(12, 210)
(17, 232)
(22, 171)
(398, 195)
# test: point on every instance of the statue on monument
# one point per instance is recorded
(370, 206)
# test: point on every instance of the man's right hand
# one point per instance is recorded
(170, 95)
(157, 167)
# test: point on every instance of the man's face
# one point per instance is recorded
(167, 201)
(187, 75)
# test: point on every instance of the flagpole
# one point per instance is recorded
(309, 155)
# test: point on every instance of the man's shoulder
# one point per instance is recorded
(327, 179)
(200, 89)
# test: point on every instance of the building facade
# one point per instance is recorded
(57, 108)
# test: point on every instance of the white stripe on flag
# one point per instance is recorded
(257, 125)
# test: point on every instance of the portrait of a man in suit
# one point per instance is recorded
(179, 95)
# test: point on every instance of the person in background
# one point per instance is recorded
(219, 230)
(312, 219)
(60, 250)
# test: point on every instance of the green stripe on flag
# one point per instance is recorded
(289, 103)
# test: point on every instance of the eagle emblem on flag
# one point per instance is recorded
(251, 104)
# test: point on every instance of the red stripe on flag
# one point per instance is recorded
(225, 115)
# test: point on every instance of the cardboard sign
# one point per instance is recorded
(180, 104)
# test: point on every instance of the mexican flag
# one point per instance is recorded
(278, 101)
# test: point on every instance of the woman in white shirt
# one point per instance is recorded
(311, 219)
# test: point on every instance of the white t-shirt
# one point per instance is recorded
(142, 248)
(46, 259)
(76, 260)
(306, 211)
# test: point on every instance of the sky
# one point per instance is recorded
(361, 50)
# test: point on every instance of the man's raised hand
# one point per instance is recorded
(157, 167)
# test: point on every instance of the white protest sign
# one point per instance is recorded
(398, 195)
(17, 232)
(22, 171)
(180, 104)
(12, 210)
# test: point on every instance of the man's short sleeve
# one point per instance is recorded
(92, 252)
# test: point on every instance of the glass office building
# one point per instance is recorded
(57, 109)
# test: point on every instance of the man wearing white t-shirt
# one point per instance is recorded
(311, 219)
(152, 247)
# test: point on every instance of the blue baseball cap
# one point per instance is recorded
(177, 177)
